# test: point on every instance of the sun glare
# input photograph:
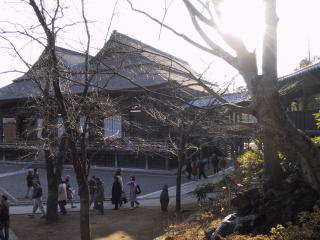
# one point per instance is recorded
(245, 19)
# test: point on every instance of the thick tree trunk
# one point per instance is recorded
(81, 171)
(85, 231)
(54, 167)
(270, 113)
(52, 200)
(178, 183)
(273, 174)
(291, 141)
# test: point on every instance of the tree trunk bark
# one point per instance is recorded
(290, 140)
(178, 183)
(273, 174)
(85, 230)
(52, 200)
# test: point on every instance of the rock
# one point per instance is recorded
(209, 233)
(225, 228)
(245, 202)
(257, 213)
(164, 198)
(245, 224)
(235, 223)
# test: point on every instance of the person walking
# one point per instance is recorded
(118, 174)
(37, 199)
(62, 197)
(4, 218)
(134, 189)
(92, 186)
(36, 176)
(215, 163)
(29, 180)
(70, 191)
(116, 193)
(201, 166)
(189, 170)
(99, 196)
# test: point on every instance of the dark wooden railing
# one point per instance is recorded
(304, 120)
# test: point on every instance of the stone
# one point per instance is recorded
(257, 213)
(164, 198)
(225, 228)
(245, 202)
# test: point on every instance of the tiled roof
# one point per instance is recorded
(307, 77)
(229, 97)
(308, 69)
(123, 63)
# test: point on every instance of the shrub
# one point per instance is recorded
(251, 165)
(307, 229)
(201, 191)
(287, 165)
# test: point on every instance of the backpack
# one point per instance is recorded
(138, 189)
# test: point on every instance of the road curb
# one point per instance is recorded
(12, 235)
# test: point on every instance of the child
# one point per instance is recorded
(133, 189)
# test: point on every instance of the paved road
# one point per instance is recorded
(13, 183)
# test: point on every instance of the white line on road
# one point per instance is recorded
(14, 173)
(8, 194)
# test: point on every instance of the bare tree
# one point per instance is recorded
(263, 88)
(72, 95)
(185, 126)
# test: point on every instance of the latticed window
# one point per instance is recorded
(113, 127)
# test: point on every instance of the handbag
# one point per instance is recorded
(123, 197)
(138, 189)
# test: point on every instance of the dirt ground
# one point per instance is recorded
(144, 223)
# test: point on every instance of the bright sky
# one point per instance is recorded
(297, 29)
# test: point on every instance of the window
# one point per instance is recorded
(248, 118)
(113, 127)
(9, 129)
(39, 128)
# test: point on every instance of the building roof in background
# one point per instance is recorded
(122, 64)
(23, 87)
(305, 78)
(125, 63)
(300, 72)
(229, 97)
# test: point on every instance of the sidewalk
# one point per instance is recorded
(30, 165)
(151, 199)
(147, 200)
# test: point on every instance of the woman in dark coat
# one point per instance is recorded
(116, 192)
(4, 218)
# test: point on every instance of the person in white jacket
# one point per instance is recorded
(62, 197)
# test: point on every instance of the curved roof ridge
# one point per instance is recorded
(314, 66)
(116, 35)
